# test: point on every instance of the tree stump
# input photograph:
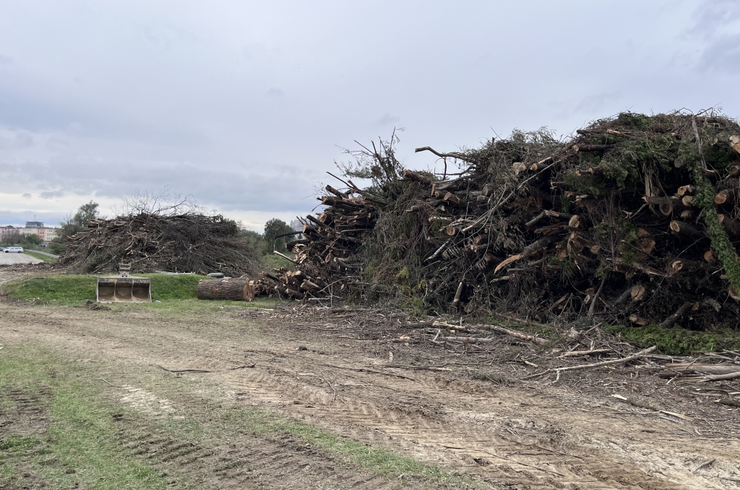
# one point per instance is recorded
(239, 289)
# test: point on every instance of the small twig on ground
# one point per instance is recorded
(334, 398)
(584, 352)
(704, 465)
(496, 328)
(420, 368)
(596, 364)
(183, 370)
(371, 371)
(719, 377)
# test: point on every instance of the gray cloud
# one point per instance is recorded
(51, 194)
(19, 218)
(275, 92)
(21, 139)
(55, 143)
(712, 15)
(244, 106)
(387, 120)
(596, 103)
(722, 55)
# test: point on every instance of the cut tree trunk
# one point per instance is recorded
(723, 196)
(685, 229)
(240, 289)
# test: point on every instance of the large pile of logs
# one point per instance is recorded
(635, 218)
(151, 242)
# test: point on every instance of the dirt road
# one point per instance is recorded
(355, 373)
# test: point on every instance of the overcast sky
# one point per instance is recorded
(244, 106)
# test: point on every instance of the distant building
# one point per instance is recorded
(7, 230)
(46, 233)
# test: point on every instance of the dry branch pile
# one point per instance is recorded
(634, 218)
(182, 243)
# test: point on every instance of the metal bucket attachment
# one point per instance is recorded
(124, 290)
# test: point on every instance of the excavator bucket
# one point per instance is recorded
(124, 288)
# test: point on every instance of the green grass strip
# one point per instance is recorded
(73, 289)
(43, 257)
(79, 448)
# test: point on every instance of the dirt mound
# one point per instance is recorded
(635, 218)
(150, 242)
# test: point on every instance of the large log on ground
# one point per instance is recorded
(239, 289)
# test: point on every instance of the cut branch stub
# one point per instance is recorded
(685, 229)
(723, 196)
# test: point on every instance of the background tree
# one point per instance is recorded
(74, 224)
(274, 228)
(162, 203)
(32, 240)
(253, 238)
(12, 237)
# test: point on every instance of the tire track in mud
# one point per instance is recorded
(505, 436)
(276, 461)
(500, 449)
(246, 461)
(23, 412)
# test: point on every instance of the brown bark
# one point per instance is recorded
(668, 322)
(237, 289)
(731, 226)
(685, 229)
(453, 199)
(336, 192)
(416, 177)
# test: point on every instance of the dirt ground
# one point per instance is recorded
(466, 408)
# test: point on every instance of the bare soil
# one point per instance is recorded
(359, 374)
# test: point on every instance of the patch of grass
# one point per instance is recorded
(175, 308)
(79, 448)
(75, 290)
(167, 287)
(271, 261)
(678, 341)
(43, 257)
(59, 289)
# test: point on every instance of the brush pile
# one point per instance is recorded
(150, 242)
(634, 219)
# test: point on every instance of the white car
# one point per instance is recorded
(14, 249)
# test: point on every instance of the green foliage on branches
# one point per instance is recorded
(73, 225)
(273, 241)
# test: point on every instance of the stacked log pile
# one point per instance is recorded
(151, 242)
(635, 218)
(327, 251)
